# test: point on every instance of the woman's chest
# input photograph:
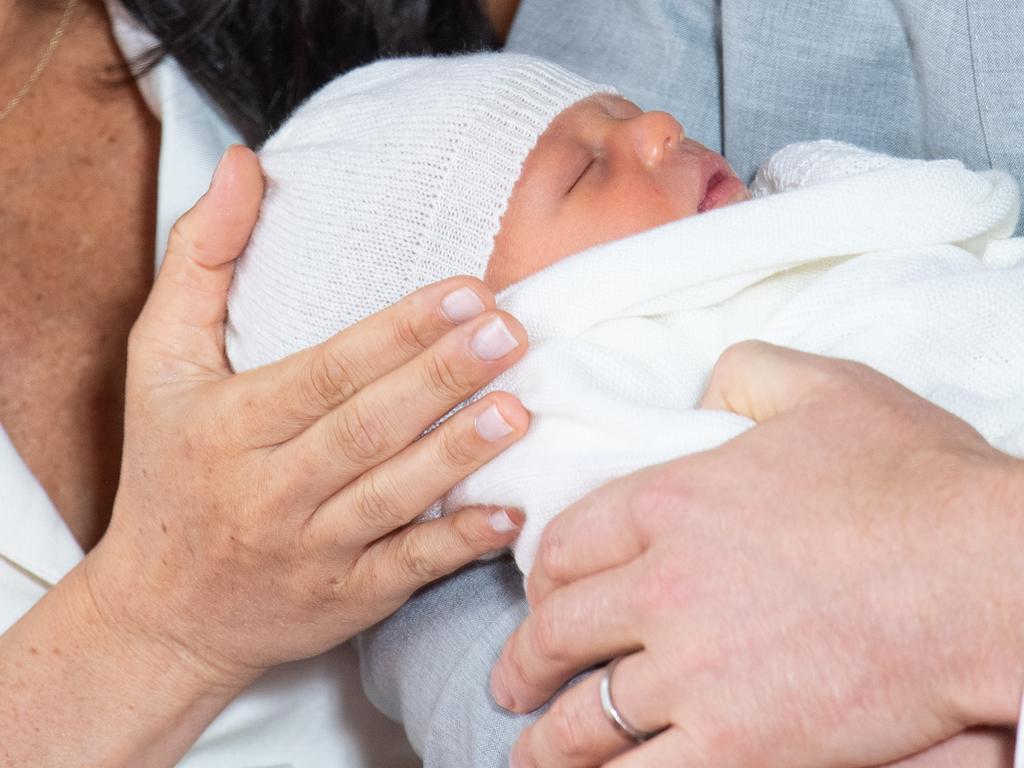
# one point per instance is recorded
(77, 199)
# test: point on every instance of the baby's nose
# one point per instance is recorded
(654, 134)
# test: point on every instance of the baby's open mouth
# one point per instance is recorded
(713, 184)
(722, 186)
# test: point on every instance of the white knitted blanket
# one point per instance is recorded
(903, 265)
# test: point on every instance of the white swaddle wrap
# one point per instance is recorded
(903, 265)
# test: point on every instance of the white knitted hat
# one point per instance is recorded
(391, 177)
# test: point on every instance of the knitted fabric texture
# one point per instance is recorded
(391, 177)
(905, 265)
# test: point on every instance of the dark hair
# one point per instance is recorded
(259, 59)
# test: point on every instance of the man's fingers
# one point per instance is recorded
(576, 732)
(991, 747)
(580, 625)
(593, 535)
(670, 748)
(181, 328)
(761, 381)
(394, 493)
(298, 390)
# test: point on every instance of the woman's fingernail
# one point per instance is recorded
(491, 425)
(461, 305)
(219, 170)
(493, 341)
(502, 522)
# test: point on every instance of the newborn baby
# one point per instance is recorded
(409, 171)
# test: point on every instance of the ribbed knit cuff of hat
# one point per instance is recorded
(389, 178)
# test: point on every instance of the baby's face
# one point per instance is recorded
(603, 170)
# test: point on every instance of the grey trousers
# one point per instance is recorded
(917, 78)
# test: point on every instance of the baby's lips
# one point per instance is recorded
(724, 188)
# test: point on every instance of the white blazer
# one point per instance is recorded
(309, 714)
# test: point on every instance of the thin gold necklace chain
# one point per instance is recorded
(62, 26)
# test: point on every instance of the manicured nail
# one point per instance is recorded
(493, 341)
(491, 425)
(502, 522)
(218, 171)
(461, 305)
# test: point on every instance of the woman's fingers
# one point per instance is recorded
(580, 625)
(576, 733)
(420, 554)
(294, 392)
(394, 493)
(385, 417)
(181, 329)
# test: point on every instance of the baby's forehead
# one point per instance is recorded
(598, 106)
(607, 104)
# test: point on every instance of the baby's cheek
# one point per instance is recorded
(499, 274)
(525, 245)
(518, 253)
(647, 209)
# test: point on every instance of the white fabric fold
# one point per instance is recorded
(33, 535)
(904, 265)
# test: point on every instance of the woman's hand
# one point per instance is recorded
(261, 517)
(839, 586)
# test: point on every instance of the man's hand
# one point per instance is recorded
(977, 748)
(839, 586)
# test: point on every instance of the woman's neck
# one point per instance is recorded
(78, 160)
(25, 29)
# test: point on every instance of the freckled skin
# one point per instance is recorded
(603, 170)
(78, 161)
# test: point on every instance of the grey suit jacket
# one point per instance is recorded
(919, 78)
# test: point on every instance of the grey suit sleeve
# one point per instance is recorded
(429, 665)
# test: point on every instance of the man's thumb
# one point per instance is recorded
(760, 380)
